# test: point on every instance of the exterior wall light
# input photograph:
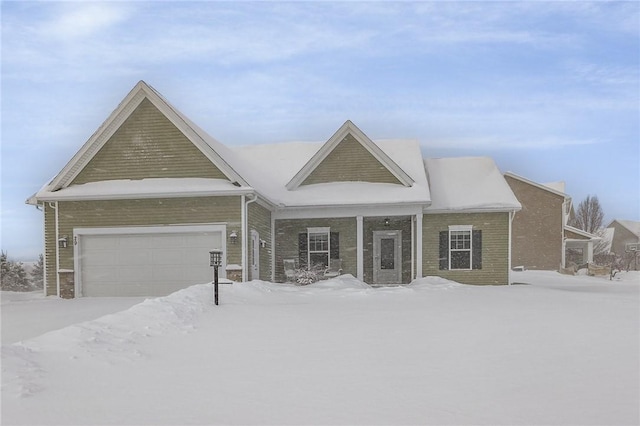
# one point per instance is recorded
(387, 221)
(233, 237)
(62, 242)
(263, 243)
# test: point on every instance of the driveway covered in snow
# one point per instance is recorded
(552, 350)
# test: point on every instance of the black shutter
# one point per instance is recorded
(335, 246)
(477, 250)
(444, 250)
(303, 244)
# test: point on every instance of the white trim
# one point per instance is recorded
(44, 249)
(413, 247)
(360, 247)
(461, 228)
(512, 215)
(419, 254)
(56, 244)
(349, 128)
(478, 210)
(254, 254)
(78, 233)
(54, 196)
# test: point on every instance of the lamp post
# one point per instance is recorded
(215, 260)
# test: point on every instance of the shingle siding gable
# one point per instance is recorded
(147, 145)
(349, 161)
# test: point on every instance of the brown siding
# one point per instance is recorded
(147, 145)
(260, 220)
(537, 228)
(574, 236)
(148, 212)
(495, 246)
(350, 162)
(287, 241)
(50, 247)
(370, 224)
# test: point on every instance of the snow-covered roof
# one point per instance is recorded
(468, 183)
(143, 188)
(556, 186)
(270, 167)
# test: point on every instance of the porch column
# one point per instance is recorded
(359, 248)
(419, 245)
(589, 252)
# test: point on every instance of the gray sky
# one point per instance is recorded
(550, 90)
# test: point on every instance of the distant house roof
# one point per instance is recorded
(632, 225)
(468, 183)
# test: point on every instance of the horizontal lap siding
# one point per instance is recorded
(148, 145)
(350, 162)
(287, 241)
(149, 212)
(537, 228)
(260, 220)
(495, 246)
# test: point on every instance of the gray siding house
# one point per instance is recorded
(139, 206)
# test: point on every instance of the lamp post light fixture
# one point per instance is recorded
(215, 260)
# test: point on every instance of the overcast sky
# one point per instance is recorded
(551, 91)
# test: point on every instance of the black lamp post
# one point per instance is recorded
(215, 260)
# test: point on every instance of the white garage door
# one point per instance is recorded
(145, 264)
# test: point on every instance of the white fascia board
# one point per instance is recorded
(348, 211)
(581, 232)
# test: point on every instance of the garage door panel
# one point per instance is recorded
(145, 264)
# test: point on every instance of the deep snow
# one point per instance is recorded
(552, 350)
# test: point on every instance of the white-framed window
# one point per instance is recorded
(319, 246)
(460, 247)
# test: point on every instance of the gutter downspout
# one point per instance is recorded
(244, 231)
(512, 215)
(55, 207)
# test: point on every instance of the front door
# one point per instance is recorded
(387, 257)
(255, 255)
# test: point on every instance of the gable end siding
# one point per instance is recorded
(349, 161)
(148, 145)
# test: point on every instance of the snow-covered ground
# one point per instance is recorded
(552, 350)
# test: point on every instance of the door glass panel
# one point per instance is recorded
(387, 253)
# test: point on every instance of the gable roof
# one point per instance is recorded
(553, 187)
(349, 128)
(270, 167)
(582, 233)
(212, 149)
(468, 184)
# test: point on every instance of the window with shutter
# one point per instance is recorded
(461, 248)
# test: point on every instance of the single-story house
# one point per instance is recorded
(139, 206)
(542, 238)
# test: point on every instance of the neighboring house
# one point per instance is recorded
(137, 209)
(542, 239)
(625, 240)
